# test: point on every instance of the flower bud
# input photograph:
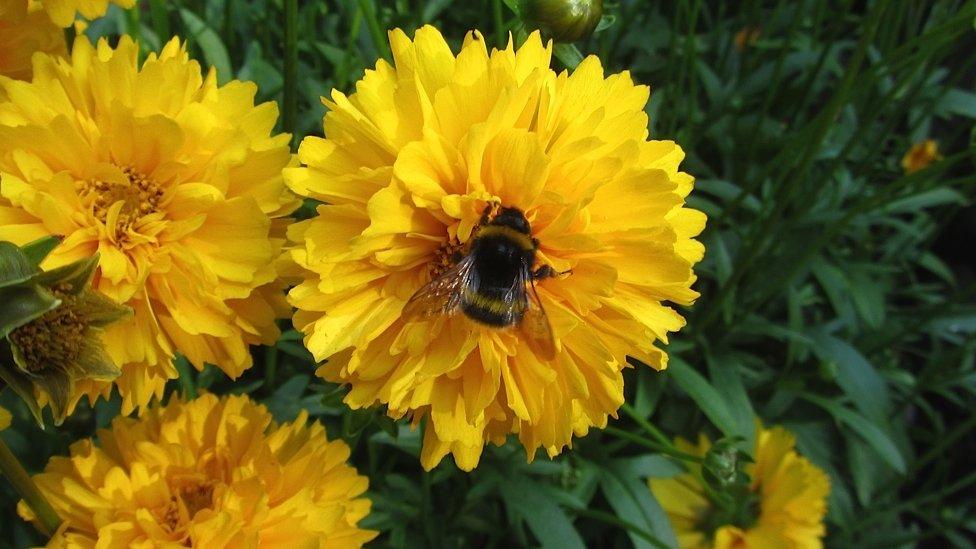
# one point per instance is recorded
(722, 467)
(50, 326)
(563, 20)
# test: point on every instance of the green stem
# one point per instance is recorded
(13, 470)
(291, 68)
(646, 425)
(500, 36)
(135, 26)
(160, 19)
(375, 31)
(651, 445)
(270, 365)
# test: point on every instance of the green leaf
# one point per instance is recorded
(708, 399)
(15, 267)
(866, 469)
(606, 21)
(870, 432)
(550, 525)
(433, 8)
(568, 54)
(214, 51)
(868, 297)
(285, 403)
(856, 376)
(624, 485)
(835, 285)
(724, 372)
(515, 6)
(728, 192)
(927, 199)
(959, 102)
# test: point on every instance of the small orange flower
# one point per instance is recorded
(747, 37)
(920, 155)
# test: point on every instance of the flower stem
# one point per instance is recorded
(500, 37)
(291, 68)
(651, 445)
(646, 425)
(375, 31)
(22, 482)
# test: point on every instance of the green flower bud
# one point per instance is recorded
(563, 20)
(52, 322)
(723, 464)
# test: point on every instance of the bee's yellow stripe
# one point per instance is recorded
(523, 240)
(484, 302)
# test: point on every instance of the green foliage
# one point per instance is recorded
(832, 300)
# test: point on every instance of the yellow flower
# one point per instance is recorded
(788, 491)
(412, 161)
(63, 12)
(4, 418)
(176, 183)
(24, 30)
(920, 155)
(207, 473)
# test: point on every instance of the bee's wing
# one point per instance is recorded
(535, 325)
(441, 295)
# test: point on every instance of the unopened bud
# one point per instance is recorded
(563, 20)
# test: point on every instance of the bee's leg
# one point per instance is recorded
(488, 213)
(546, 271)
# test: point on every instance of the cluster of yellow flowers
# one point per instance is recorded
(494, 242)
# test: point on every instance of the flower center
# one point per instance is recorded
(52, 340)
(446, 257)
(194, 496)
(139, 195)
(197, 497)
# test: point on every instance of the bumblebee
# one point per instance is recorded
(493, 283)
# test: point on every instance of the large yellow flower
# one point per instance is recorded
(176, 183)
(788, 493)
(24, 30)
(63, 12)
(411, 162)
(207, 473)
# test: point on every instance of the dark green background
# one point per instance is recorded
(837, 292)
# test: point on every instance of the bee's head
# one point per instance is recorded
(512, 218)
